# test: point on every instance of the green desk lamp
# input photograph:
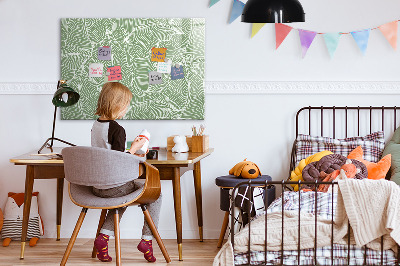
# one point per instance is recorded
(64, 96)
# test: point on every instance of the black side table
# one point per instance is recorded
(226, 183)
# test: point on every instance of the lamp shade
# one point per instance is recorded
(273, 11)
(65, 96)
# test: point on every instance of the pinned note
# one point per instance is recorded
(96, 70)
(155, 77)
(115, 73)
(104, 53)
(177, 72)
(158, 54)
(164, 67)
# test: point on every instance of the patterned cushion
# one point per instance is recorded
(372, 144)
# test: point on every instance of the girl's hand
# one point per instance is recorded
(137, 144)
(142, 155)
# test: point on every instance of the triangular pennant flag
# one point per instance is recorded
(306, 39)
(332, 41)
(281, 31)
(213, 2)
(390, 32)
(255, 28)
(237, 9)
(361, 37)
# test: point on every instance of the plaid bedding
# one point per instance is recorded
(323, 207)
(340, 253)
(372, 145)
(306, 202)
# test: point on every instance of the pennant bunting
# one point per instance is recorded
(256, 28)
(361, 37)
(389, 30)
(213, 2)
(237, 9)
(332, 41)
(281, 31)
(306, 39)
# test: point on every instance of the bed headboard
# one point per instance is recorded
(346, 118)
(344, 121)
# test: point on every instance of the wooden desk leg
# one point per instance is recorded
(199, 204)
(60, 190)
(27, 206)
(176, 182)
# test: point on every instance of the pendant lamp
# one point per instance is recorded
(63, 97)
(272, 11)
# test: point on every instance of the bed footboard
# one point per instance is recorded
(383, 258)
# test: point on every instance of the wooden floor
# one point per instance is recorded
(50, 252)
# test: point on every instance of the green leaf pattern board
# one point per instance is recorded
(131, 41)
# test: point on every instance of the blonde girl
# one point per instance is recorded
(113, 103)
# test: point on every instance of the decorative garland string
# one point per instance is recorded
(341, 32)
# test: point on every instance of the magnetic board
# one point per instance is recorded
(131, 41)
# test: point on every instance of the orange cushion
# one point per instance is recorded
(375, 170)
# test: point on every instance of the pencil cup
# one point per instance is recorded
(200, 143)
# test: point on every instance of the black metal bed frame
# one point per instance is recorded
(283, 184)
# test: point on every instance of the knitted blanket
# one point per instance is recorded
(371, 207)
(274, 235)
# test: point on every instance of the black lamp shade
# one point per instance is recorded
(65, 96)
(273, 11)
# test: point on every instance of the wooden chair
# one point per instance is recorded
(85, 167)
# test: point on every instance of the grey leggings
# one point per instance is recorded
(154, 208)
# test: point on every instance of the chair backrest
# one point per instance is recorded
(92, 166)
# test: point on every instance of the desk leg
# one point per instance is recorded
(199, 204)
(27, 206)
(176, 182)
(60, 190)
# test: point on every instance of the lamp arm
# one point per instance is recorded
(54, 119)
(46, 143)
(52, 136)
(54, 126)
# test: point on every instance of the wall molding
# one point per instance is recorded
(303, 87)
(247, 87)
(28, 88)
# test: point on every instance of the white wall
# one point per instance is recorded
(259, 127)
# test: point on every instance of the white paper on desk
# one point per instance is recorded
(96, 70)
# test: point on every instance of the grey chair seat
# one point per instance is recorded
(83, 196)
